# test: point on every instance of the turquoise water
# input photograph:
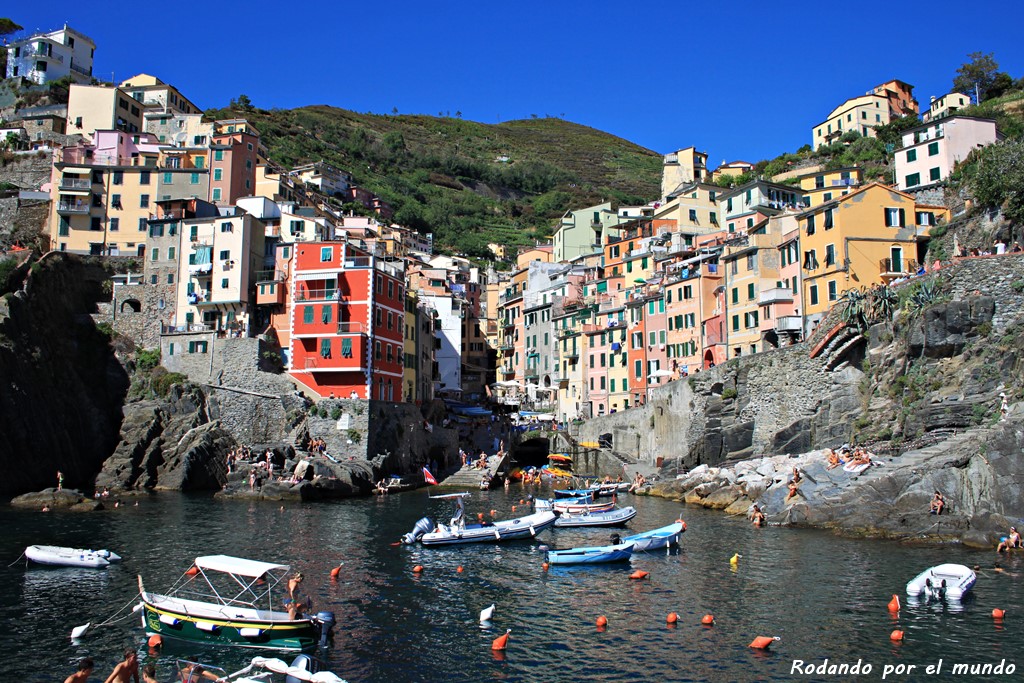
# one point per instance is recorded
(824, 596)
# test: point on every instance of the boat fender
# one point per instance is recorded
(207, 626)
(335, 572)
(155, 640)
(639, 574)
(250, 632)
(497, 535)
(326, 621)
(192, 571)
(533, 532)
(682, 523)
(708, 620)
(763, 642)
(896, 636)
(894, 604)
(169, 620)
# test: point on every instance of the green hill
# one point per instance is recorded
(469, 183)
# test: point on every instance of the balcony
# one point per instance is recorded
(270, 276)
(76, 184)
(351, 363)
(73, 208)
(44, 53)
(776, 295)
(789, 323)
(80, 70)
(327, 294)
(888, 267)
(351, 328)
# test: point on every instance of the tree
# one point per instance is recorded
(243, 102)
(977, 75)
(7, 27)
(1001, 84)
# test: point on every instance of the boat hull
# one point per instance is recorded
(608, 518)
(656, 539)
(56, 556)
(299, 635)
(510, 530)
(959, 580)
(593, 555)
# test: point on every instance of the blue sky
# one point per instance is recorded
(740, 80)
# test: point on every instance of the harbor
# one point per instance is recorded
(824, 596)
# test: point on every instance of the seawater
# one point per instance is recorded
(823, 595)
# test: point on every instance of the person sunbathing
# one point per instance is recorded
(938, 502)
(833, 460)
(860, 457)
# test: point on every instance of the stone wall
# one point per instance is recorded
(156, 304)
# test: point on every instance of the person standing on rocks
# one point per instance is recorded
(60, 480)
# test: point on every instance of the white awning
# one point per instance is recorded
(237, 565)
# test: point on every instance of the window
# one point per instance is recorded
(751, 262)
(911, 155)
(810, 259)
(194, 179)
(118, 177)
(95, 223)
(346, 347)
(115, 224)
(64, 228)
(934, 174)
(810, 224)
(830, 255)
(933, 149)
(735, 323)
(895, 218)
(638, 369)
(115, 201)
(750, 291)
(144, 178)
(326, 254)
(307, 315)
(170, 278)
(829, 223)
(833, 293)
(912, 180)
(224, 283)
(735, 295)
(218, 155)
(693, 215)
(325, 348)
(155, 254)
(376, 350)
(750, 319)
(218, 174)
(216, 194)
(168, 178)
(814, 294)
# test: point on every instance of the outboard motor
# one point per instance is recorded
(424, 525)
(303, 663)
(326, 621)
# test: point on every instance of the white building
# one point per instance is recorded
(930, 151)
(448, 335)
(46, 57)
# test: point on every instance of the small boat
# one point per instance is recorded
(657, 539)
(586, 494)
(594, 555)
(57, 556)
(572, 506)
(303, 669)
(616, 517)
(457, 532)
(609, 489)
(943, 581)
(223, 600)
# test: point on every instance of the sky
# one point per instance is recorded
(740, 80)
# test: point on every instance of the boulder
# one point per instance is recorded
(51, 498)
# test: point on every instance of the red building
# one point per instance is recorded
(347, 322)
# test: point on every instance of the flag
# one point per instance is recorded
(428, 477)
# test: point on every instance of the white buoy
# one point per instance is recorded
(487, 613)
(77, 631)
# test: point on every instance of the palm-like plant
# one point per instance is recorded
(854, 311)
(883, 302)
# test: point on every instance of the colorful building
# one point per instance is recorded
(46, 57)
(931, 151)
(946, 105)
(683, 167)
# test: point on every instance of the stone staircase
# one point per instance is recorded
(468, 478)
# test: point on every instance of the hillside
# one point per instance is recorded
(469, 183)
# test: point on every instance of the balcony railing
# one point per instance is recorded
(788, 323)
(888, 266)
(34, 51)
(75, 183)
(332, 294)
(73, 207)
(351, 328)
(774, 296)
(270, 276)
(81, 70)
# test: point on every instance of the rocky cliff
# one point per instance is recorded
(60, 408)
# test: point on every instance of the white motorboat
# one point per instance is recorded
(943, 581)
(58, 556)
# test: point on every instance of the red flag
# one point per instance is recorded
(428, 477)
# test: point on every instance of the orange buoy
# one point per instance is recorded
(672, 618)
(638, 574)
(544, 566)
(896, 636)
(501, 642)
(459, 569)
(335, 572)
(763, 642)
(192, 571)
(480, 516)
(998, 613)
(894, 604)
(602, 621)
(418, 568)
(708, 620)
(683, 523)
(155, 641)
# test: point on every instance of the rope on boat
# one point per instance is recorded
(17, 560)
(111, 619)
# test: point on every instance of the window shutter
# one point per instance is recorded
(903, 218)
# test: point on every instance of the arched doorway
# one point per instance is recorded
(133, 305)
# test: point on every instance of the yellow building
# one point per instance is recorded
(100, 107)
(866, 238)
(751, 267)
(819, 185)
(858, 114)
(946, 106)
(682, 167)
(693, 207)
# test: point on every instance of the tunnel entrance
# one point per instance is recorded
(532, 452)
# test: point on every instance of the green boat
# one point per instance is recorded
(222, 600)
